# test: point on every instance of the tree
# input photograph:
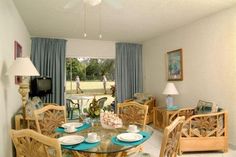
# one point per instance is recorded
(108, 68)
(93, 70)
(74, 68)
(89, 69)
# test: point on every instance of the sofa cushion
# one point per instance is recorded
(142, 97)
(31, 105)
(205, 107)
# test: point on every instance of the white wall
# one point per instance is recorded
(209, 63)
(11, 28)
(90, 48)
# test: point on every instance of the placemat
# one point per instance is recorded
(82, 146)
(83, 127)
(146, 136)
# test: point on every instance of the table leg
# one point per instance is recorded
(113, 155)
(80, 101)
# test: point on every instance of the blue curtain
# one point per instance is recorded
(48, 56)
(129, 76)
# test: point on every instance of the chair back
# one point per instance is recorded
(29, 143)
(101, 102)
(49, 118)
(68, 104)
(133, 112)
(170, 141)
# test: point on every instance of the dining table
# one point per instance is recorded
(109, 144)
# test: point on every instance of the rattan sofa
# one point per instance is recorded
(203, 131)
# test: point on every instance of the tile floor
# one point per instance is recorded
(153, 145)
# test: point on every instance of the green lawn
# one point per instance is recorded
(89, 87)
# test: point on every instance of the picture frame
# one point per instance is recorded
(17, 53)
(175, 65)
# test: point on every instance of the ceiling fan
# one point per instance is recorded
(93, 2)
(114, 3)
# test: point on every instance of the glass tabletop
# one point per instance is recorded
(106, 145)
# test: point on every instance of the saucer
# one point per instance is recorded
(133, 131)
(89, 141)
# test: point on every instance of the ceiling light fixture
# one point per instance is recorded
(100, 21)
(92, 2)
(85, 15)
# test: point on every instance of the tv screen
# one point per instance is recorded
(41, 86)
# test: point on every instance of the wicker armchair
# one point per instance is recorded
(29, 143)
(49, 118)
(133, 113)
(203, 131)
(170, 142)
(144, 99)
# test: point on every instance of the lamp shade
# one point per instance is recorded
(22, 66)
(170, 89)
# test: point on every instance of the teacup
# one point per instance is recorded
(133, 128)
(70, 128)
(92, 136)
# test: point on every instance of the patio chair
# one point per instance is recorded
(48, 118)
(29, 143)
(71, 107)
(101, 102)
(170, 141)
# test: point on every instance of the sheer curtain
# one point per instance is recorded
(129, 75)
(48, 56)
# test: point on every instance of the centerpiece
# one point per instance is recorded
(110, 120)
(94, 109)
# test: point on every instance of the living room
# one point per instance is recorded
(207, 40)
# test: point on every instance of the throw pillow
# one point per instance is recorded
(205, 107)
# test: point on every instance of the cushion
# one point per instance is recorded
(205, 107)
(31, 105)
(142, 97)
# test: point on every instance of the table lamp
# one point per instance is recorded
(23, 66)
(169, 91)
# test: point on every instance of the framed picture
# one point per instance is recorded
(17, 53)
(175, 65)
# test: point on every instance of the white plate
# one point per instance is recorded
(76, 124)
(129, 137)
(71, 139)
(136, 131)
(70, 131)
(89, 141)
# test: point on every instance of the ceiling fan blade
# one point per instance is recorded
(71, 4)
(118, 4)
(93, 2)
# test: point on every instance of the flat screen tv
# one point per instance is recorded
(41, 86)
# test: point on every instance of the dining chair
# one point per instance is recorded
(170, 141)
(101, 102)
(71, 107)
(133, 113)
(48, 118)
(29, 143)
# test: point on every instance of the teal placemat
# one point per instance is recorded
(174, 107)
(82, 146)
(83, 127)
(146, 136)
